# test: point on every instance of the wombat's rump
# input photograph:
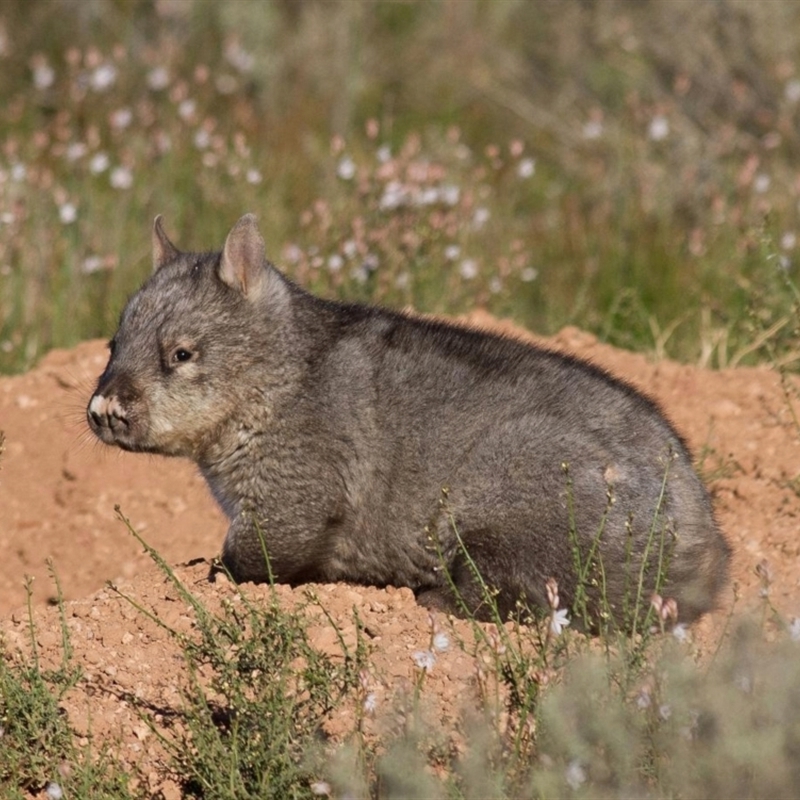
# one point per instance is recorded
(360, 444)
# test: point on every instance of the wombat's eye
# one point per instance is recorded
(181, 355)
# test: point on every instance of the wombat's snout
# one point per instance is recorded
(107, 417)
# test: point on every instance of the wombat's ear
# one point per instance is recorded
(163, 249)
(243, 265)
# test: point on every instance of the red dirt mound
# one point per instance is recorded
(58, 489)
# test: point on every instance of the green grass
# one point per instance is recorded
(561, 163)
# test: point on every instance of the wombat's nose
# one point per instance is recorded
(106, 412)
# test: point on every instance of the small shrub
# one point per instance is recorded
(257, 694)
(38, 748)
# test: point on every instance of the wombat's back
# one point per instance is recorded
(540, 454)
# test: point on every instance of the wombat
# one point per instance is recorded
(353, 443)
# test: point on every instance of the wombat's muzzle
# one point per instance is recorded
(108, 419)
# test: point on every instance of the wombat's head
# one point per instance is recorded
(202, 338)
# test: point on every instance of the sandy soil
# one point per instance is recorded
(58, 489)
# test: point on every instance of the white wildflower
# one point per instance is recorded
(529, 274)
(253, 176)
(67, 213)
(76, 150)
(43, 75)
(792, 91)
(158, 79)
(103, 77)
(350, 248)
(480, 217)
(384, 153)
(495, 285)
(53, 791)
(593, 129)
(92, 264)
(238, 57)
(762, 182)
(558, 621)
(292, 253)
(370, 703)
(468, 269)
(360, 274)
(98, 163)
(681, 632)
(346, 168)
(321, 789)
(121, 178)
(424, 659)
(428, 196)
(789, 240)
(394, 195)
(526, 168)
(441, 641)
(575, 775)
(18, 172)
(202, 139)
(658, 130)
(452, 252)
(186, 109)
(335, 262)
(665, 711)
(121, 118)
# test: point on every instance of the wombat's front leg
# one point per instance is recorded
(256, 550)
(244, 552)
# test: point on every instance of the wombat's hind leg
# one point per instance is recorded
(480, 583)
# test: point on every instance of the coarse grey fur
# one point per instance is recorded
(355, 441)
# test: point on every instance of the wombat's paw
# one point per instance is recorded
(440, 599)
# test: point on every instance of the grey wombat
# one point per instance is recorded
(330, 431)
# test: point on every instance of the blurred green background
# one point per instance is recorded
(627, 166)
